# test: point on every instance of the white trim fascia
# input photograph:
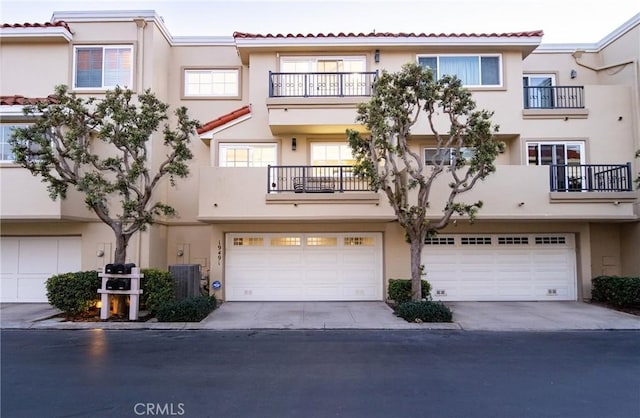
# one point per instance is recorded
(36, 32)
(211, 133)
(113, 16)
(15, 112)
(203, 41)
(565, 48)
(619, 31)
(388, 41)
(591, 47)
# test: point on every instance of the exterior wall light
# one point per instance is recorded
(294, 144)
(180, 253)
(376, 56)
(573, 74)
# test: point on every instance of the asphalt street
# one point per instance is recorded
(348, 373)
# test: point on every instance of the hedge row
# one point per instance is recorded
(400, 290)
(193, 309)
(77, 292)
(623, 292)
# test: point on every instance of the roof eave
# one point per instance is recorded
(51, 33)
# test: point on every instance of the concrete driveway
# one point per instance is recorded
(540, 316)
(491, 316)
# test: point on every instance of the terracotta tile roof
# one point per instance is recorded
(37, 25)
(21, 100)
(527, 34)
(226, 118)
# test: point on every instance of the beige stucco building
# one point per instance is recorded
(271, 209)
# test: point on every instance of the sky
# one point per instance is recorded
(563, 21)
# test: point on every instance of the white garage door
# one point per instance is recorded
(501, 267)
(27, 263)
(303, 267)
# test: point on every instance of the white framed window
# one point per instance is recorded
(331, 153)
(539, 91)
(483, 70)
(324, 75)
(211, 82)
(433, 156)
(561, 153)
(568, 173)
(102, 67)
(246, 154)
(6, 130)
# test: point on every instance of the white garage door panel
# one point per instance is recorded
(318, 267)
(27, 263)
(535, 267)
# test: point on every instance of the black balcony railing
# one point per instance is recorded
(314, 179)
(590, 178)
(321, 84)
(554, 97)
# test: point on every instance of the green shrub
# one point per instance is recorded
(618, 291)
(158, 289)
(424, 311)
(400, 290)
(193, 309)
(73, 293)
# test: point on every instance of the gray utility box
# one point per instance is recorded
(187, 280)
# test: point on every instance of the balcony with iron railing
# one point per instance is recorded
(314, 179)
(337, 84)
(325, 193)
(554, 97)
(590, 178)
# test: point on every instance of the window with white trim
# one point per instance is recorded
(6, 130)
(102, 67)
(331, 153)
(483, 70)
(246, 154)
(324, 75)
(539, 90)
(433, 156)
(212, 82)
(548, 153)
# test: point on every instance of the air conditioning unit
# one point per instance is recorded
(186, 278)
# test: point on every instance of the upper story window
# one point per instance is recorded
(322, 76)
(6, 130)
(473, 70)
(561, 153)
(246, 155)
(331, 153)
(212, 82)
(326, 64)
(103, 67)
(434, 156)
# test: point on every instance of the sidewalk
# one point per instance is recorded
(470, 316)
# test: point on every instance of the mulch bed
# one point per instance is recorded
(93, 315)
(629, 310)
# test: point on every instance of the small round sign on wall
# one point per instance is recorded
(216, 285)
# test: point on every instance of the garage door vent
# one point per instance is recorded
(475, 240)
(513, 240)
(440, 241)
(551, 240)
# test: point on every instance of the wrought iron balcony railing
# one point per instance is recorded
(554, 97)
(321, 84)
(314, 179)
(590, 178)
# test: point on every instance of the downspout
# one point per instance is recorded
(141, 24)
(577, 55)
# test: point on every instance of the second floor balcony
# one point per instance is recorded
(554, 97)
(591, 177)
(314, 179)
(336, 84)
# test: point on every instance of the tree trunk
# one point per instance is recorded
(120, 257)
(122, 241)
(416, 271)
